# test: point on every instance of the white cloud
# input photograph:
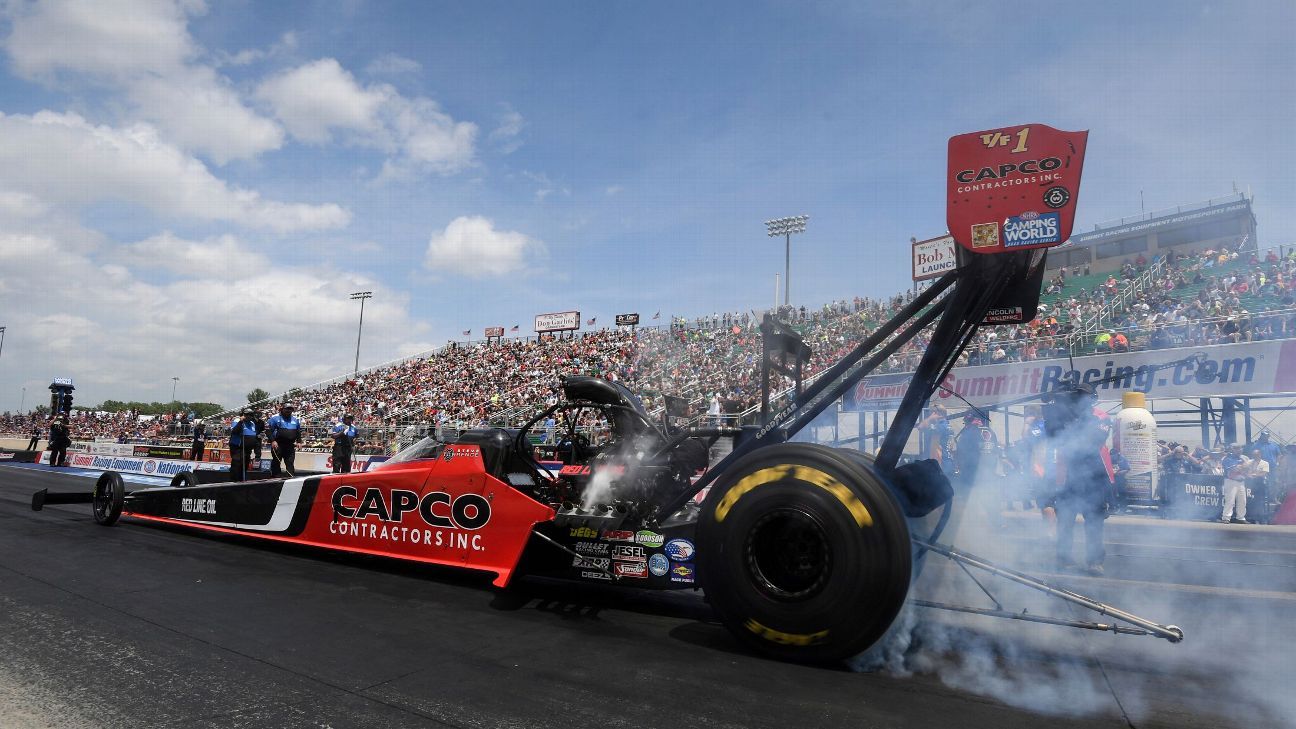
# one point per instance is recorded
(470, 245)
(61, 158)
(287, 43)
(506, 136)
(613, 190)
(106, 38)
(218, 256)
(142, 47)
(321, 99)
(392, 64)
(545, 186)
(124, 338)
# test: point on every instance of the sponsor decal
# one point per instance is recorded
(6, 456)
(658, 565)
(682, 572)
(589, 575)
(615, 535)
(1008, 169)
(452, 517)
(1031, 228)
(680, 550)
(1057, 197)
(629, 553)
(594, 548)
(649, 539)
(448, 455)
(574, 470)
(630, 569)
(593, 563)
(1004, 315)
(150, 466)
(583, 532)
(198, 506)
(985, 235)
(995, 174)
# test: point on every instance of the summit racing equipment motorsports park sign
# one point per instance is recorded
(1014, 188)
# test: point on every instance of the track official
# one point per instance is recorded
(242, 435)
(199, 446)
(344, 438)
(60, 438)
(285, 432)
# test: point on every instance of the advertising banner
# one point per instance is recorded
(933, 257)
(494, 332)
(161, 468)
(1201, 496)
(627, 320)
(153, 451)
(559, 322)
(1227, 370)
(1013, 188)
(323, 462)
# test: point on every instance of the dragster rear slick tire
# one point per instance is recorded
(804, 553)
(184, 480)
(109, 497)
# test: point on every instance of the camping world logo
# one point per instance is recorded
(1031, 229)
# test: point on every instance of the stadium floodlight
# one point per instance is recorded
(361, 296)
(2, 331)
(786, 227)
(174, 381)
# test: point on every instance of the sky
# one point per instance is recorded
(193, 189)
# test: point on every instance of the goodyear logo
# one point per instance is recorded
(1031, 228)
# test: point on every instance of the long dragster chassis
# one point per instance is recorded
(804, 551)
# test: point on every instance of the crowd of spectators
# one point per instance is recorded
(1214, 296)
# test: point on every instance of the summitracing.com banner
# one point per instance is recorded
(1229, 370)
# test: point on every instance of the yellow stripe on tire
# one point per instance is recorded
(778, 636)
(800, 473)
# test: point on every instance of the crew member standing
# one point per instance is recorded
(1085, 480)
(975, 447)
(242, 435)
(344, 440)
(285, 432)
(1236, 469)
(197, 451)
(60, 438)
(35, 439)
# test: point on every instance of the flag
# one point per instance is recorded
(514, 329)
(467, 332)
(657, 315)
(590, 322)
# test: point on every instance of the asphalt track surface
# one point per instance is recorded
(146, 626)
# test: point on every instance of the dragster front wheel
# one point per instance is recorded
(803, 553)
(109, 496)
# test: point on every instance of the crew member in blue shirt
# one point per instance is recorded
(344, 439)
(285, 431)
(242, 433)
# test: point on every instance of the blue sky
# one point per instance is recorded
(211, 180)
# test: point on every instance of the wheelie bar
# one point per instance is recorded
(1171, 633)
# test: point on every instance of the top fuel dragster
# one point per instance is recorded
(804, 551)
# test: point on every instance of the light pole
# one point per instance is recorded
(174, 381)
(24, 401)
(786, 227)
(2, 331)
(361, 295)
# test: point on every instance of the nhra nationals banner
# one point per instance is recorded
(143, 466)
(1229, 370)
(1013, 188)
(559, 322)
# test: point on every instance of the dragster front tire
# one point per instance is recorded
(803, 553)
(109, 497)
